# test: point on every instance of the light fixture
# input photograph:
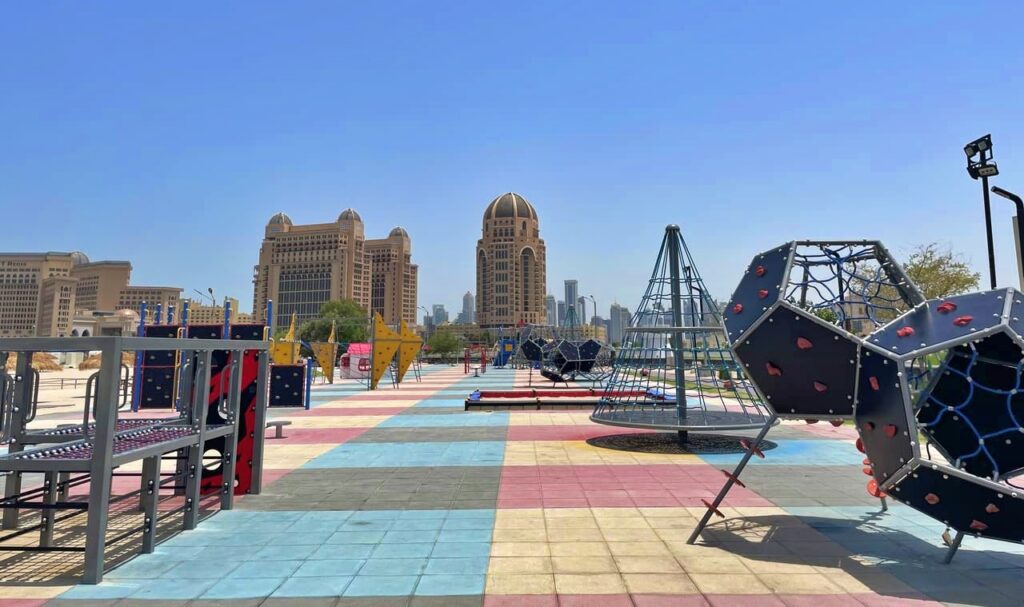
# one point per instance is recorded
(981, 166)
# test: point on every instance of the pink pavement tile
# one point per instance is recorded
(877, 600)
(309, 436)
(817, 600)
(751, 600)
(342, 411)
(616, 486)
(594, 600)
(392, 395)
(548, 433)
(669, 600)
(521, 600)
(22, 602)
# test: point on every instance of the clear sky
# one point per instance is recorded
(169, 134)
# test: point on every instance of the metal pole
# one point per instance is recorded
(674, 261)
(988, 233)
(953, 548)
(731, 480)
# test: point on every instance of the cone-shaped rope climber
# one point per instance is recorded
(674, 369)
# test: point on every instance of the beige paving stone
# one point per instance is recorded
(659, 583)
(647, 564)
(729, 583)
(769, 566)
(623, 522)
(583, 564)
(638, 549)
(520, 549)
(520, 535)
(575, 522)
(519, 564)
(712, 564)
(799, 583)
(630, 535)
(578, 548)
(589, 583)
(575, 535)
(520, 584)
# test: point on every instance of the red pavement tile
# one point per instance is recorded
(308, 436)
(338, 411)
(646, 486)
(22, 602)
(521, 600)
(594, 600)
(545, 433)
(817, 600)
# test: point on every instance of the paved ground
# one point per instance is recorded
(400, 498)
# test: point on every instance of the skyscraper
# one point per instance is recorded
(551, 308)
(510, 265)
(440, 314)
(393, 277)
(468, 309)
(618, 323)
(561, 313)
(572, 296)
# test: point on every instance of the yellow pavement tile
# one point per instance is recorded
(338, 421)
(670, 513)
(578, 549)
(574, 535)
(630, 535)
(572, 522)
(550, 513)
(709, 563)
(583, 564)
(527, 518)
(517, 583)
(623, 522)
(519, 564)
(647, 564)
(32, 592)
(729, 583)
(589, 583)
(672, 523)
(292, 456)
(602, 513)
(639, 549)
(520, 535)
(519, 549)
(659, 583)
(535, 453)
(760, 566)
(799, 583)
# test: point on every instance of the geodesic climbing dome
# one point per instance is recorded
(674, 369)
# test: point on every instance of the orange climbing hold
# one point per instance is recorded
(869, 426)
(932, 499)
(773, 370)
(905, 331)
(759, 270)
(762, 293)
(978, 525)
(873, 489)
(803, 343)
(836, 423)
(820, 387)
(946, 307)
(963, 321)
(874, 383)
(891, 430)
(860, 445)
(991, 508)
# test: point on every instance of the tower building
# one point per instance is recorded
(511, 275)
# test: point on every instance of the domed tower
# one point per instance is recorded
(279, 223)
(393, 277)
(511, 276)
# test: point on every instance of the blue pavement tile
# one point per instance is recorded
(390, 566)
(217, 554)
(465, 535)
(313, 587)
(376, 585)
(403, 550)
(266, 569)
(108, 590)
(303, 538)
(423, 515)
(199, 570)
(417, 524)
(797, 453)
(468, 523)
(285, 553)
(450, 585)
(144, 567)
(457, 566)
(367, 525)
(239, 588)
(172, 589)
(445, 420)
(177, 553)
(461, 549)
(343, 551)
(356, 537)
(330, 568)
(410, 455)
(410, 537)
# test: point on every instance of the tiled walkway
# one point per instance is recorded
(398, 498)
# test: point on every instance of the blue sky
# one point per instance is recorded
(168, 135)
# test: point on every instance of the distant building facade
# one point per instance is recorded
(511, 265)
(440, 315)
(551, 308)
(468, 314)
(301, 267)
(618, 323)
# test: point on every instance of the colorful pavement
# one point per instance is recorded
(398, 498)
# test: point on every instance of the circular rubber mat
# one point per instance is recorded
(668, 442)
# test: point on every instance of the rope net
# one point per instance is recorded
(674, 369)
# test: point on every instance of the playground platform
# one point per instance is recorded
(401, 498)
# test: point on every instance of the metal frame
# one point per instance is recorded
(187, 434)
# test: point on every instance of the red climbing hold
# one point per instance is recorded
(712, 508)
(978, 525)
(867, 470)
(860, 445)
(963, 321)
(811, 421)
(746, 444)
(759, 270)
(733, 478)
(891, 430)
(803, 343)
(736, 309)
(873, 489)
(932, 499)
(874, 383)
(905, 331)
(991, 508)
(869, 426)
(820, 387)
(866, 462)
(773, 370)
(762, 293)
(836, 423)
(946, 307)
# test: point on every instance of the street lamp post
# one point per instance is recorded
(980, 165)
(1019, 203)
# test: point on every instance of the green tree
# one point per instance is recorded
(349, 318)
(939, 272)
(443, 343)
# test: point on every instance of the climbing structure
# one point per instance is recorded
(674, 369)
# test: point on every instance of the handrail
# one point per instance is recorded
(33, 401)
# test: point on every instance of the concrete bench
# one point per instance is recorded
(278, 426)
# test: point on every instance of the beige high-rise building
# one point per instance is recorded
(511, 276)
(21, 286)
(200, 313)
(131, 298)
(57, 305)
(100, 283)
(393, 277)
(301, 267)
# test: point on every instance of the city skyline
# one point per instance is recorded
(611, 137)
